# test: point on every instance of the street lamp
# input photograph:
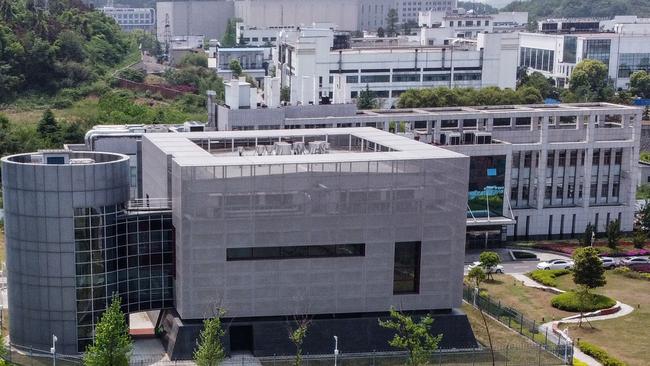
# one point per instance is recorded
(53, 350)
(336, 348)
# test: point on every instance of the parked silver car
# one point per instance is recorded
(556, 264)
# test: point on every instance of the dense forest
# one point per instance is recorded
(64, 46)
(540, 9)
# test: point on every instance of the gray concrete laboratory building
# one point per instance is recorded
(338, 225)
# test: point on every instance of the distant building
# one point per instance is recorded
(439, 26)
(316, 72)
(621, 43)
(132, 18)
(190, 17)
(179, 46)
(409, 10)
(536, 171)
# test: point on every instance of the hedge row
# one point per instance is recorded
(548, 277)
(599, 354)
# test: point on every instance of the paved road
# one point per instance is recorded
(510, 266)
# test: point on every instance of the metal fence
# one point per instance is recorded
(37, 357)
(526, 354)
(513, 319)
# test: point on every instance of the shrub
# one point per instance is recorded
(548, 277)
(627, 272)
(599, 354)
(570, 301)
(640, 267)
(61, 102)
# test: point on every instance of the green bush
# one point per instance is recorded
(570, 301)
(599, 354)
(548, 277)
(627, 272)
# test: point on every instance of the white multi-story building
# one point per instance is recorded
(132, 18)
(313, 70)
(408, 10)
(439, 26)
(624, 48)
(536, 171)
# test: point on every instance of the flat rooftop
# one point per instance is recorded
(500, 109)
(222, 148)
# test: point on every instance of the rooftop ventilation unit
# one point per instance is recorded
(282, 148)
(319, 147)
(259, 150)
(81, 161)
(298, 147)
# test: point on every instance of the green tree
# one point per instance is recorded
(209, 349)
(545, 86)
(588, 269)
(587, 236)
(489, 260)
(589, 82)
(285, 94)
(408, 26)
(413, 337)
(477, 275)
(366, 99)
(194, 59)
(380, 32)
(297, 337)
(639, 239)
(236, 68)
(640, 83)
(112, 344)
(529, 95)
(614, 233)
(48, 127)
(588, 273)
(391, 23)
(230, 37)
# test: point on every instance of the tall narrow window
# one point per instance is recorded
(406, 278)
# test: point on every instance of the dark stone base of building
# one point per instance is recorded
(270, 336)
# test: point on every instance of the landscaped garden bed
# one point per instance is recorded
(576, 302)
(548, 277)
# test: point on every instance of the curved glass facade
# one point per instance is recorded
(121, 252)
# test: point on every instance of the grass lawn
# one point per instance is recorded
(624, 338)
(533, 303)
(521, 351)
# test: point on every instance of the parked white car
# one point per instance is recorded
(556, 264)
(496, 269)
(609, 262)
(634, 260)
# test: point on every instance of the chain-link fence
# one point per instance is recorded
(513, 319)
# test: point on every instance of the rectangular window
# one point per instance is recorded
(375, 79)
(406, 278)
(295, 252)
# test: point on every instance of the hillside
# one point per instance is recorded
(541, 9)
(43, 51)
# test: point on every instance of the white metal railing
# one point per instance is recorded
(149, 203)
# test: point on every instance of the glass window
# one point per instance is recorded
(375, 79)
(406, 268)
